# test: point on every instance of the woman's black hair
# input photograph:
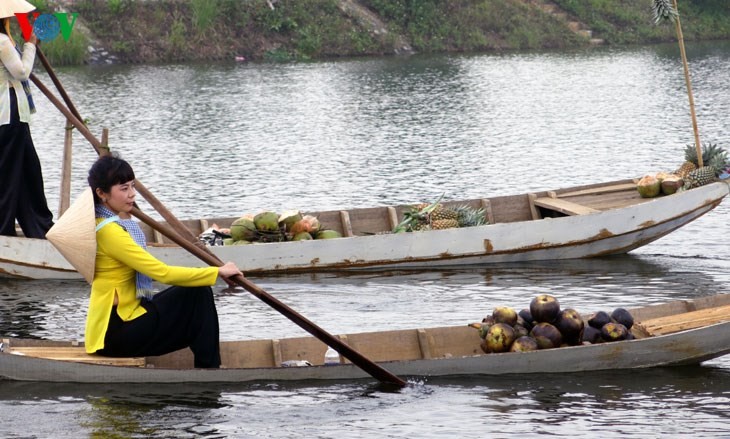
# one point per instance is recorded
(107, 171)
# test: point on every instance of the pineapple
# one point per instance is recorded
(444, 224)
(706, 174)
(443, 213)
(468, 216)
(416, 217)
(712, 156)
(685, 169)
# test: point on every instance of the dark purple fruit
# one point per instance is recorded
(524, 344)
(500, 337)
(504, 314)
(570, 324)
(544, 308)
(520, 331)
(591, 335)
(614, 332)
(621, 315)
(526, 316)
(546, 335)
(599, 319)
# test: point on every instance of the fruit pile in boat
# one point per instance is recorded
(269, 226)
(715, 164)
(436, 216)
(544, 325)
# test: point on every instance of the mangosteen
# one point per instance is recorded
(599, 319)
(570, 324)
(614, 332)
(504, 314)
(546, 335)
(624, 317)
(524, 344)
(591, 335)
(544, 308)
(520, 330)
(500, 337)
(526, 316)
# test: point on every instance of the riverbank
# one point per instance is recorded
(130, 31)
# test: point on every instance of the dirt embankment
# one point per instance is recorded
(176, 30)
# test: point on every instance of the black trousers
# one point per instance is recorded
(176, 318)
(22, 196)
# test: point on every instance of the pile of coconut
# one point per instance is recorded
(269, 227)
(650, 186)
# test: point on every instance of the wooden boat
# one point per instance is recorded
(576, 222)
(674, 333)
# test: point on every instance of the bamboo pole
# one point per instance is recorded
(65, 196)
(688, 81)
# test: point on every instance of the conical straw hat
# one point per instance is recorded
(8, 8)
(74, 234)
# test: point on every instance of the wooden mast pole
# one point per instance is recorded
(688, 81)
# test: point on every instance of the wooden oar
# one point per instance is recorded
(351, 354)
(102, 149)
(205, 255)
(56, 82)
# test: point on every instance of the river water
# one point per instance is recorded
(235, 138)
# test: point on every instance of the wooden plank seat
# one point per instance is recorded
(684, 321)
(77, 354)
(563, 206)
(600, 190)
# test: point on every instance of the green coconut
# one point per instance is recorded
(243, 229)
(649, 186)
(288, 218)
(228, 241)
(266, 221)
(242, 242)
(302, 236)
(328, 234)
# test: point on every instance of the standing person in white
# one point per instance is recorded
(22, 195)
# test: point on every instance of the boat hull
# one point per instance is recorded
(689, 347)
(670, 334)
(602, 233)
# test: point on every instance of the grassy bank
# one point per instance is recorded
(188, 30)
(631, 22)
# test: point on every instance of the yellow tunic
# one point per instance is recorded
(118, 258)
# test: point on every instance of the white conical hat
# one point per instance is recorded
(8, 8)
(74, 234)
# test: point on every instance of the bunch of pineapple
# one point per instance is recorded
(714, 160)
(436, 216)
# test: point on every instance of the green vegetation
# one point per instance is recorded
(435, 26)
(188, 30)
(62, 52)
(631, 22)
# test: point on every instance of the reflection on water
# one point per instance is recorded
(615, 403)
(229, 139)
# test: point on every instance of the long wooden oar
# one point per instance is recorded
(356, 357)
(205, 255)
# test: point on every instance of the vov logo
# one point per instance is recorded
(47, 26)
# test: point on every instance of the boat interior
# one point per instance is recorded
(412, 344)
(580, 200)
